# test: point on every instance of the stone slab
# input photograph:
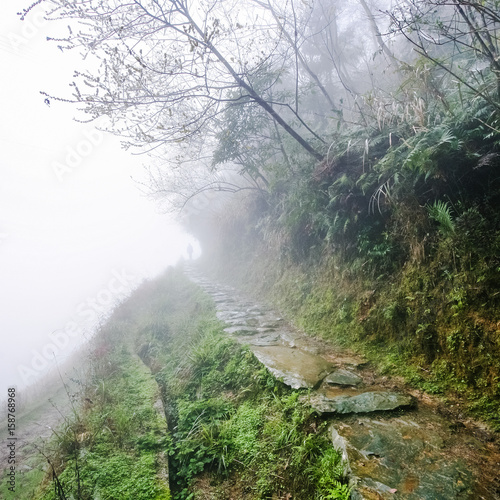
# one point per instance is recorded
(399, 459)
(297, 369)
(343, 377)
(241, 330)
(366, 402)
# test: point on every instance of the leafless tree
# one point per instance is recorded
(288, 25)
(460, 37)
(165, 67)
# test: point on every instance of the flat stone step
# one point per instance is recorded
(399, 458)
(262, 340)
(343, 377)
(241, 330)
(230, 315)
(297, 369)
(366, 402)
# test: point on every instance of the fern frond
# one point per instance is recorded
(440, 211)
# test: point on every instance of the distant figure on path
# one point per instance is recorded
(190, 251)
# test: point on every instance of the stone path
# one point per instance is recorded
(394, 447)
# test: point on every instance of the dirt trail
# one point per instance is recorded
(34, 426)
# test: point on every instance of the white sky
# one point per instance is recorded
(71, 218)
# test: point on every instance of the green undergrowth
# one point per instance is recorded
(390, 247)
(236, 432)
(28, 480)
(37, 406)
(432, 320)
(112, 445)
(225, 428)
(408, 273)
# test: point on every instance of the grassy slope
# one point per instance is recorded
(235, 431)
(31, 472)
(112, 446)
(433, 320)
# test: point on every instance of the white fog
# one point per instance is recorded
(76, 233)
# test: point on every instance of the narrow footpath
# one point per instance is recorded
(396, 445)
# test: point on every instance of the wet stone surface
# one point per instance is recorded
(392, 448)
(296, 368)
(366, 402)
(401, 457)
(276, 345)
(262, 340)
(343, 377)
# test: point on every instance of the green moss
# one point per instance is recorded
(110, 474)
(429, 312)
(231, 421)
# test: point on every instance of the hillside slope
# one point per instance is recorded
(176, 404)
(234, 431)
(419, 301)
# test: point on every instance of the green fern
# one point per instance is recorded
(338, 492)
(440, 211)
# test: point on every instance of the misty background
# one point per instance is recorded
(293, 103)
(76, 232)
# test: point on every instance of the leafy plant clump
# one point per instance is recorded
(390, 245)
(232, 424)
